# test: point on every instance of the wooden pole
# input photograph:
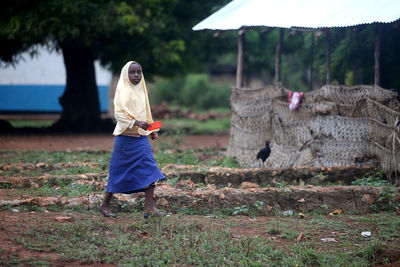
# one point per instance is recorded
(240, 58)
(312, 60)
(328, 57)
(278, 56)
(377, 53)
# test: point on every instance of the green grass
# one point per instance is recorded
(15, 156)
(188, 157)
(191, 126)
(14, 260)
(68, 190)
(163, 156)
(100, 159)
(177, 240)
(31, 123)
(66, 171)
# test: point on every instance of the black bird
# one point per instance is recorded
(263, 154)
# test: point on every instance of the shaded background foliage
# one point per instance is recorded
(159, 35)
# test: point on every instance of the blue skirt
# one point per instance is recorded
(132, 166)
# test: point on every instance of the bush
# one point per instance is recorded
(166, 90)
(192, 91)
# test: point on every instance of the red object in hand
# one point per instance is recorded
(154, 126)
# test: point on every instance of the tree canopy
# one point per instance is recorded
(158, 34)
(114, 31)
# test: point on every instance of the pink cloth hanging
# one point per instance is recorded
(294, 99)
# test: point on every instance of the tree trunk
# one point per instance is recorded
(80, 101)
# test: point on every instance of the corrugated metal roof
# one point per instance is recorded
(301, 13)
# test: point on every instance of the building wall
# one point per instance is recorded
(35, 84)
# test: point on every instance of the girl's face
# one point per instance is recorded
(135, 73)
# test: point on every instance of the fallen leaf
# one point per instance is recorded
(301, 200)
(269, 208)
(40, 164)
(300, 237)
(335, 212)
(144, 235)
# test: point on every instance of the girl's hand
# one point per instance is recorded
(154, 135)
(142, 124)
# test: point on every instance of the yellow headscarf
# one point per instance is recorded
(131, 102)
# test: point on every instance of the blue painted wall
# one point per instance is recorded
(39, 98)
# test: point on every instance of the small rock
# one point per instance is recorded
(15, 210)
(163, 186)
(227, 189)
(247, 185)
(368, 199)
(162, 202)
(288, 213)
(63, 219)
(186, 184)
(328, 239)
(33, 184)
(211, 186)
(366, 234)
(41, 165)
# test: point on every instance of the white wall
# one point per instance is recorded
(45, 69)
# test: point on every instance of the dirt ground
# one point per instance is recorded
(13, 225)
(96, 142)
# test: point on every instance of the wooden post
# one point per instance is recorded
(377, 53)
(240, 58)
(328, 56)
(278, 56)
(312, 60)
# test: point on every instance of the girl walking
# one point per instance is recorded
(132, 167)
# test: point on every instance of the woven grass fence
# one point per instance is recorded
(333, 126)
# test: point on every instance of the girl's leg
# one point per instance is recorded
(149, 199)
(106, 202)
